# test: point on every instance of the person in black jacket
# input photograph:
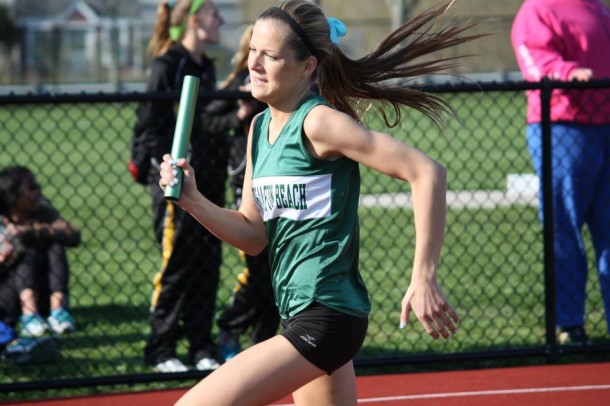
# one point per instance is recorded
(184, 293)
(252, 305)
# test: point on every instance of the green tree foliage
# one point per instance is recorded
(8, 38)
(8, 29)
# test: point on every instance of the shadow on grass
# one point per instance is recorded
(114, 314)
(109, 340)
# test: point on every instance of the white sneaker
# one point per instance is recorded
(171, 365)
(207, 364)
(32, 325)
(60, 321)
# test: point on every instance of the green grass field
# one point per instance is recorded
(491, 265)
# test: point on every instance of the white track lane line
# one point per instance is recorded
(486, 393)
(480, 393)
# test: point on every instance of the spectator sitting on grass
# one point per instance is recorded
(34, 269)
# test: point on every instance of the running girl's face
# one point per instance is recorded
(210, 21)
(276, 75)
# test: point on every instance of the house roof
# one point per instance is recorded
(50, 9)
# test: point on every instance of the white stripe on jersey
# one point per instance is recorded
(293, 197)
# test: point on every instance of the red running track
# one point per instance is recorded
(556, 385)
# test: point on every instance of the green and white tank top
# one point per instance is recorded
(310, 210)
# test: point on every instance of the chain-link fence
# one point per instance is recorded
(495, 263)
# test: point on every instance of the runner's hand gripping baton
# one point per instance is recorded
(182, 133)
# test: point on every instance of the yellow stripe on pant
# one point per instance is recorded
(167, 246)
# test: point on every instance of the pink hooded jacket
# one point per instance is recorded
(551, 38)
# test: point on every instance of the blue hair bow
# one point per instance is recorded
(337, 29)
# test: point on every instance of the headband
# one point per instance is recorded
(297, 29)
(175, 31)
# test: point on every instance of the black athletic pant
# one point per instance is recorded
(44, 270)
(252, 303)
(185, 288)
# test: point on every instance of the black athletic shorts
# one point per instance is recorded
(325, 337)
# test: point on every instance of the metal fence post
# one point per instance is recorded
(548, 219)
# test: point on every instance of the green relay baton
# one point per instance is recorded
(182, 133)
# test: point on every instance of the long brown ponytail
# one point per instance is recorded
(168, 15)
(345, 82)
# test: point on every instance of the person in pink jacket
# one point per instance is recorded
(569, 40)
